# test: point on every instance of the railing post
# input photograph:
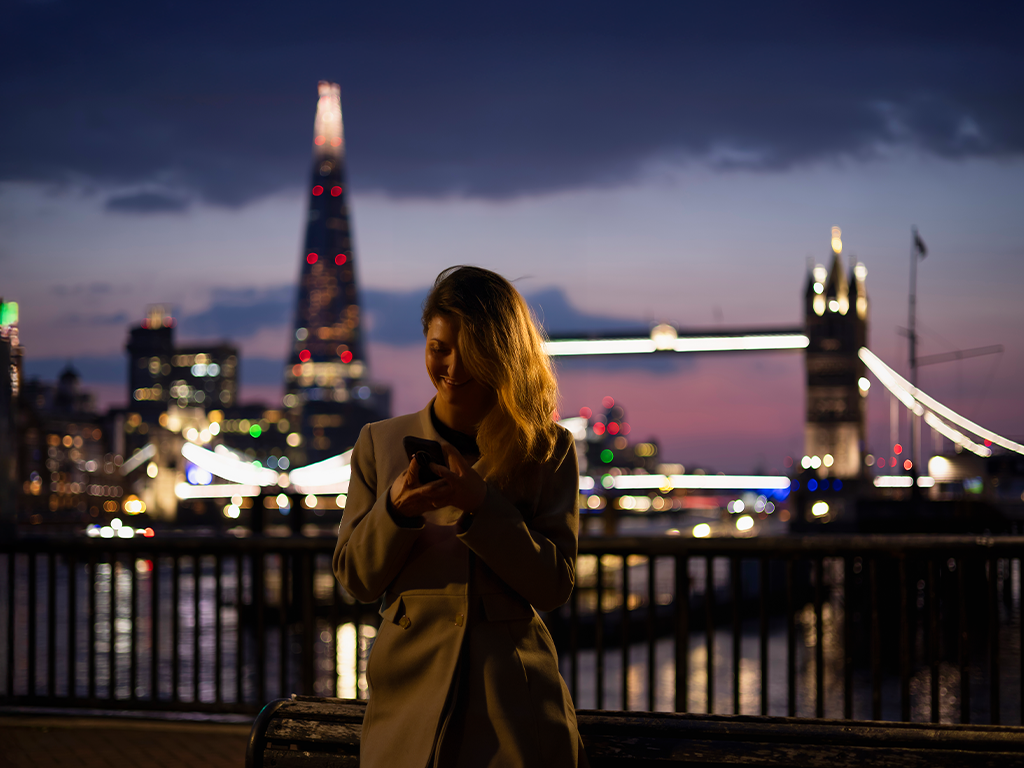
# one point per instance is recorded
(682, 632)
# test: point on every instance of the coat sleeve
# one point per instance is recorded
(371, 547)
(536, 556)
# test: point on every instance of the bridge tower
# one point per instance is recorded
(836, 321)
(327, 387)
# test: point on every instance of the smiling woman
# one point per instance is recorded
(463, 667)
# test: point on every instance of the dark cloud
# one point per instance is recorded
(482, 100)
(240, 312)
(147, 202)
(78, 318)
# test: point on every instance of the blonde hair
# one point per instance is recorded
(502, 348)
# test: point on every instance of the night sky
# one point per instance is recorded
(624, 163)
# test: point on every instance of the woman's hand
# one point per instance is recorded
(410, 498)
(468, 489)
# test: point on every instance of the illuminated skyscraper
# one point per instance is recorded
(326, 377)
(836, 312)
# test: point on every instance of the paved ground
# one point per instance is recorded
(105, 742)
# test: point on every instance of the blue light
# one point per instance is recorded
(795, 485)
(838, 485)
(812, 485)
(197, 475)
(824, 485)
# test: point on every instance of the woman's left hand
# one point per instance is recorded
(468, 488)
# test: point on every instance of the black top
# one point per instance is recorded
(463, 443)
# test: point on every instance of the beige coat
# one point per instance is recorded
(449, 594)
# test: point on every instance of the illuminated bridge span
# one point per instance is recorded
(239, 477)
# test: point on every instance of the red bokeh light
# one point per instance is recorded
(892, 463)
(613, 428)
(311, 258)
(296, 370)
(340, 259)
(585, 413)
(625, 428)
(988, 443)
(897, 449)
(335, 191)
(319, 140)
(599, 428)
(336, 141)
(908, 465)
(149, 533)
(787, 462)
(881, 463)
(318, 190)
(304, 355)
(346, 356)
(608, 402)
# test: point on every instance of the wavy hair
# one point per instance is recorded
(502, 348)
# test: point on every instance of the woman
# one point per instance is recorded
(463, 672)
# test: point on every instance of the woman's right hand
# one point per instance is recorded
(410, 498)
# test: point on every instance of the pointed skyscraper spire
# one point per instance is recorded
(327, 365)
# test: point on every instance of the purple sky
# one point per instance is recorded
(624, 166)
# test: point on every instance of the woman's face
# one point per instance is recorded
(462, 401)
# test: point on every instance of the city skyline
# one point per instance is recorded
(706, 225)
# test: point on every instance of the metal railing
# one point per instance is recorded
(864, 627)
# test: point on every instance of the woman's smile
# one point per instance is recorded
(462, 401)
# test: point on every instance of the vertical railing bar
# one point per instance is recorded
(33, 565)
(51, 625)
(993, 637)
(239, 638)
(309, 627)
(904, 642)
(258, 562)
(574, 643)
(11, 635)
(624, 633)
(933, 639)
(218, 628)
(599, 635)
(334, 619)
(112, 624)
(819, 633)
(682, 622)
(652, 597)
(963, 648)
(763, 592)
(1020, 629)
(790, 643)
(709, 628)
(133, 666)
(91, 626)
(154, 628)
(72, 649)
(283, 605)
(848, 636)
(876, 644)
(175, 633)
(197, 570)
(737, 628)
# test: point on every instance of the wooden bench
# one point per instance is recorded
(308, 732)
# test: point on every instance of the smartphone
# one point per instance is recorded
(427, 452)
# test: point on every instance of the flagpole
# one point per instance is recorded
(915, 426)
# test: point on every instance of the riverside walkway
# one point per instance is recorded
(72, 741)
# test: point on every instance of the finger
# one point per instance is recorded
(455, 460)
(412, 474)
(443, 471)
